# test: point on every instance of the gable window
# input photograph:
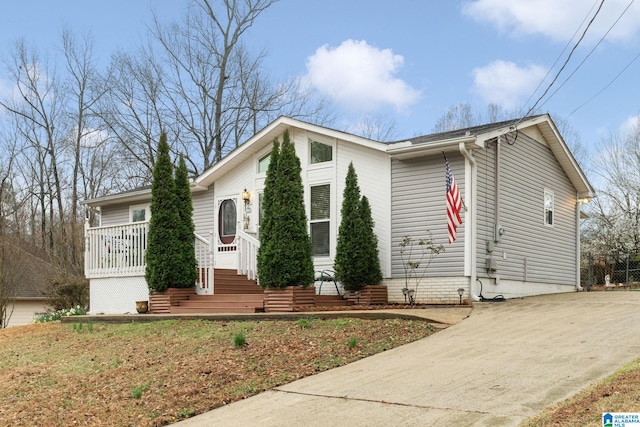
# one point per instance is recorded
(320, 152)
(263, 163)
(139, 213)
(320, 219)
(548, 208)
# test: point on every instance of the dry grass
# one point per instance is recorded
(617, 393)
(152, 374)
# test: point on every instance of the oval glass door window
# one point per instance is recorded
(227, 221)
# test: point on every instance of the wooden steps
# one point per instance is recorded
(227, 281)
(233, 294)
(237, 294)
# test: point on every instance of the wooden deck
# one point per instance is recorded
(235, 294)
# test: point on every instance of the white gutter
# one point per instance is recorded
(472, 220)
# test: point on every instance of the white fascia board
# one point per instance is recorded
(428, 148)
(131, 196)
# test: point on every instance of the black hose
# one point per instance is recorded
(497, 298)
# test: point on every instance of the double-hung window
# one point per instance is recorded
(320, 219)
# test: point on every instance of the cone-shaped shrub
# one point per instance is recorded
(286, 259)
(162, 241)
(349, 247)
(266, 274)
(370, 261)
(186, 264)
(356, 263)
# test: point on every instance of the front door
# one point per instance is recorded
(227, 220)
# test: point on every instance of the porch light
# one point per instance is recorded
(460, 293)
(583, 201)
(246, 196)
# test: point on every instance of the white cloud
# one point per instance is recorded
(557, 19)
(506, 84)
(630, 126)
(360, 76)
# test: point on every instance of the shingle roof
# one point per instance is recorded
(36, 267)
(474, 130)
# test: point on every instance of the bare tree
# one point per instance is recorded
(204, 64)
(11, 261)
(83, 88)
(614, 223)
(463, 116)
(377, 127)
(133, 109)
(38, 108)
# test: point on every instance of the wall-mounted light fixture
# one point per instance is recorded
(460, 293)
(246, 196)
(583, 200)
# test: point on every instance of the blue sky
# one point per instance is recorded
(408, 59)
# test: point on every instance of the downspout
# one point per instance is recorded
(578, 286)
(496, 228)
(472, 220)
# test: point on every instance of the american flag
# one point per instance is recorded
(454, 203)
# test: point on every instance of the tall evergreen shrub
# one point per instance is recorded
(186, 264)
(266, 264)
(162, 240)
(357, 245)
(371, 260)
(286, 261)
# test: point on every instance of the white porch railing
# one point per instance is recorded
(247, 254)
(114, 251)
(118, 251)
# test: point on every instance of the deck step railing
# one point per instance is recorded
(204, 257)
(247, 254)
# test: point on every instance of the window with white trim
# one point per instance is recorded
(139, 213)
(548, 208)
(263, 163)
(320, 219)
(320, 152)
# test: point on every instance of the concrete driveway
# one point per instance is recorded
(504, 363)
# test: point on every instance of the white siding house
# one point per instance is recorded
(524, 164)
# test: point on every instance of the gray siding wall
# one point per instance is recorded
(529, 250)
(115, 215)
(418, 206)
(203, 212)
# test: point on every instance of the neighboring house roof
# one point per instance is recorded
(37, 268)
(473, 137)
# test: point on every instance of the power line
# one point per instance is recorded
(559, 56)
(606, 86)
(584, 33)
(590, 52)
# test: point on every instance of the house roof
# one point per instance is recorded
(458, 133)
(266, 137)
(473, 137)
(242, 153)
(36, 266)
(476, 137)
